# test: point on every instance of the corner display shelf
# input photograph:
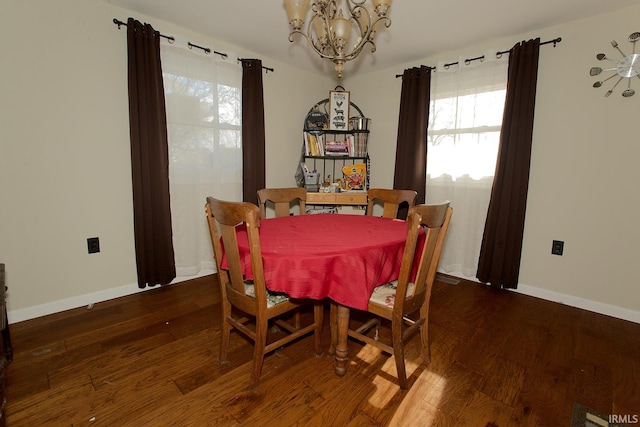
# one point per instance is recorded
(326, 152)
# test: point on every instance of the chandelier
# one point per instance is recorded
(329, 31)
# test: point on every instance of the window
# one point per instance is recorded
(465, 118)
(204, 124)
(464, 135)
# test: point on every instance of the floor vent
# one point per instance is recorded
(447, 279)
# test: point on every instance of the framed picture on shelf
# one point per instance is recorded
(338, 110)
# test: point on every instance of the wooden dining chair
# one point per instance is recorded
(391, 200)
(251, 297)
(282, 199)
(397, 300)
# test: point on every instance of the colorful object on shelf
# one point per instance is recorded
(355, 176)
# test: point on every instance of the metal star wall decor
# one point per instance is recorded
(626, 68)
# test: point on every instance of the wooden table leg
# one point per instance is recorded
(342, 326)
(333, 327)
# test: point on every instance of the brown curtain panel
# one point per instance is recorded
(499, 261)
(411, 147)
(253, 137)
(149, 157)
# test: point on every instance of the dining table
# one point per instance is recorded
(342, 257)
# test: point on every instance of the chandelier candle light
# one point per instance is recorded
(329, 30)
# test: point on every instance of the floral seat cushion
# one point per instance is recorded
(273, 298)
(385, 295)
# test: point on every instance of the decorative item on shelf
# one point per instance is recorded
(316, 120)
(359, 123)
(311, 181)
(338, 109)
(355, 176)
(628, 67)
(329, 31)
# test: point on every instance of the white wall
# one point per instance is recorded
(583, 182)
(64, 154)
(65, 168)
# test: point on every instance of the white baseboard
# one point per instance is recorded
(585, 304)
(570, 300)
(87, 300)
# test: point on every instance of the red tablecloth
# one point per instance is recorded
(343, 257)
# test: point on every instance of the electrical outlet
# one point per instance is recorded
(557, 247)
(93, 245)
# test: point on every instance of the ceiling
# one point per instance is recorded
(419, 28)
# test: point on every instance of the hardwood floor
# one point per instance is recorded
(498, 359)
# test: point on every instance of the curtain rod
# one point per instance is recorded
(206, 50)
(267, 69)
(498, 55)
(172, 40)
(189, 44)
(120, 23)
